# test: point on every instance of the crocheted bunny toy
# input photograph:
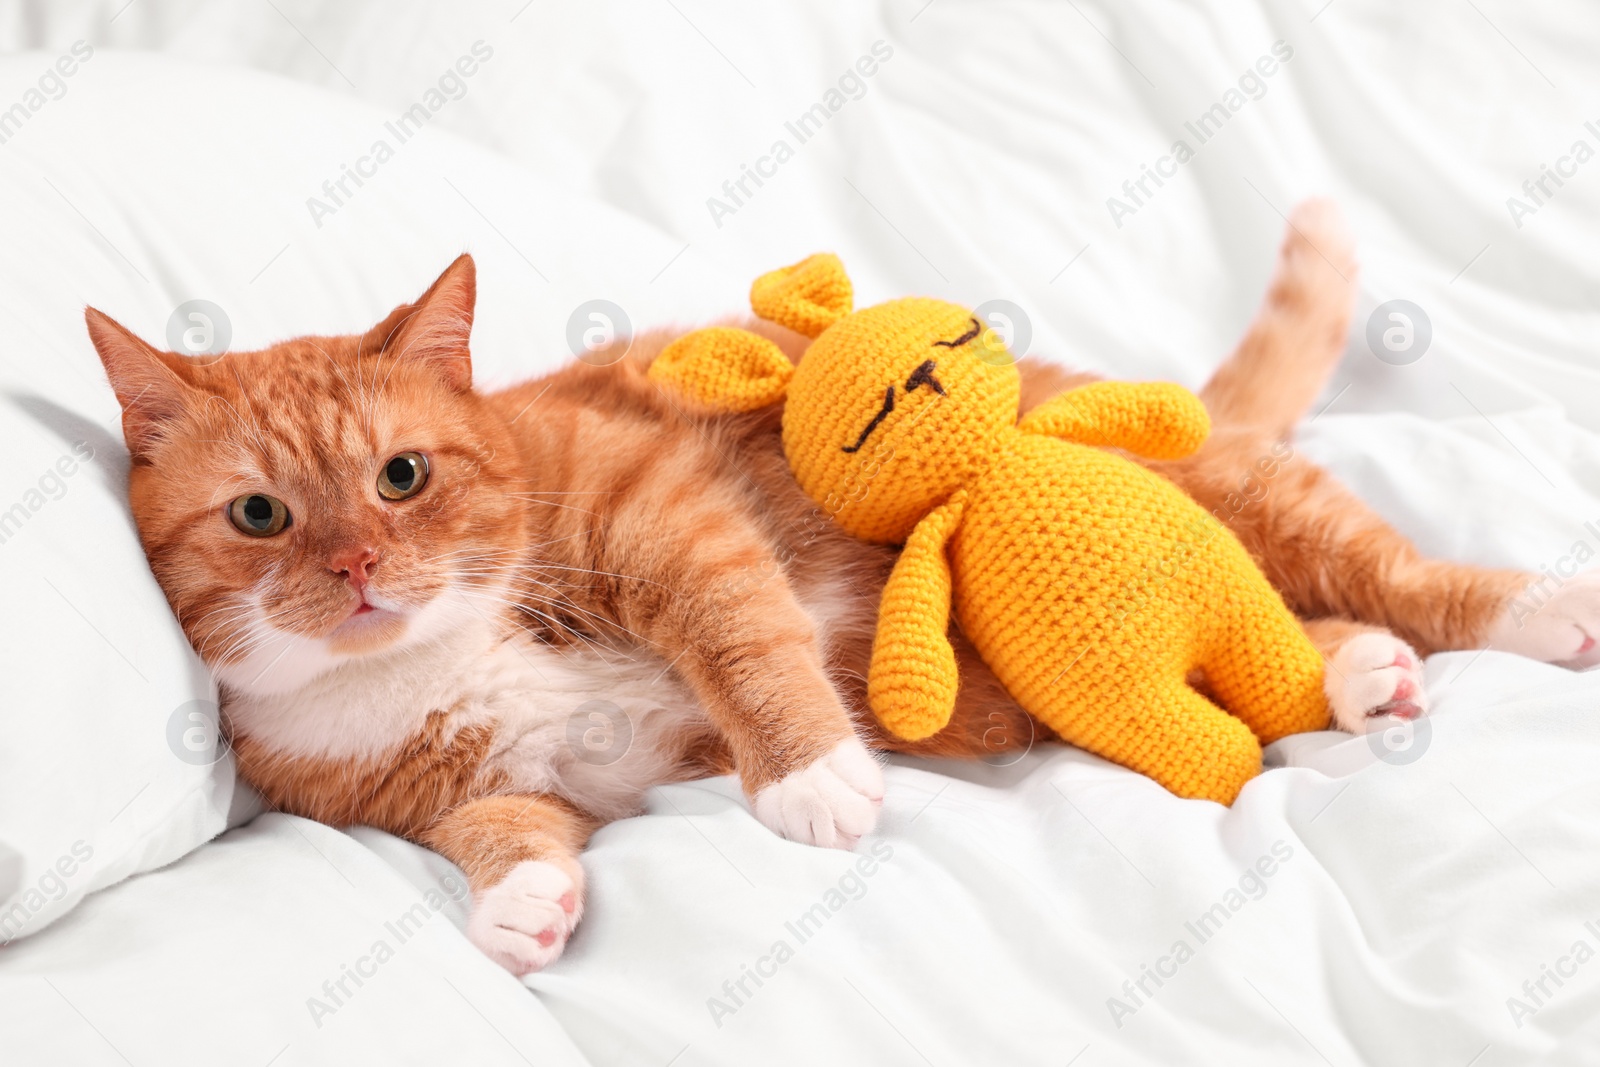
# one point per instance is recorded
(1091, 586)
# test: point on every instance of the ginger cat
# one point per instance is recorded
(414, 594)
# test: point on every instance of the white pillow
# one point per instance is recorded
(143, 184)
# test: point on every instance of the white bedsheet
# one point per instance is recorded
(281, 942)
(1408, 902)
(1370, 913)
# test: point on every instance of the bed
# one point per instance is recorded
(1422, 897)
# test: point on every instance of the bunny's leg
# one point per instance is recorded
(1159, 727)
(1263, 669)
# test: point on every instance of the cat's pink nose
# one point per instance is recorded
(356, 564)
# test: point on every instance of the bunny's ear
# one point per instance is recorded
(724, 368)
(807, 297)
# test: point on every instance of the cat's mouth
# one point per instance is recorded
(367, 608)
(370, 624)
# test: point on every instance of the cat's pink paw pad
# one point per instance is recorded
(1372, 680)
(831, 803)
(523, 921)
(1553, 624)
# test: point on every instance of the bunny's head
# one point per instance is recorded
(890, 410)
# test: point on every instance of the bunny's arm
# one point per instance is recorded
(1157, 420)
(911, 685)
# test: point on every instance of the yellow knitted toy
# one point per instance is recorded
(1091, 586)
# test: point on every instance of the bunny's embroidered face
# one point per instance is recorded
(890, 410)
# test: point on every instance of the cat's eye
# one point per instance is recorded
(258, 515)
(403, 476)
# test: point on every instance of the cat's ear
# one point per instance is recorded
(725, 368)
(146, 381)
(808, 297)
(435, 327)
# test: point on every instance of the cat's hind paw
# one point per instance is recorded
(1373, 679)
(1561, 626)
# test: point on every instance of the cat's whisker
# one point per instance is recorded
(600, 573)
(574, 492)
(515, 606)
(553, 504)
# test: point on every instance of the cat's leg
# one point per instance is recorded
(710, 596)
(1323, 548)
(1310, 534)
(753, 658)
(520, 854)
(1329, 554)
(1332, 555)
(1291, 347)
(1326, 551)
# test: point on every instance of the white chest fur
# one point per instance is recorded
(571, 722)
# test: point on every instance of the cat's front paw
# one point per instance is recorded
(831, 803)
(1373, 679)
(523, 921)
(1560, 625)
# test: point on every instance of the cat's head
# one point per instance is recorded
(322, 499)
